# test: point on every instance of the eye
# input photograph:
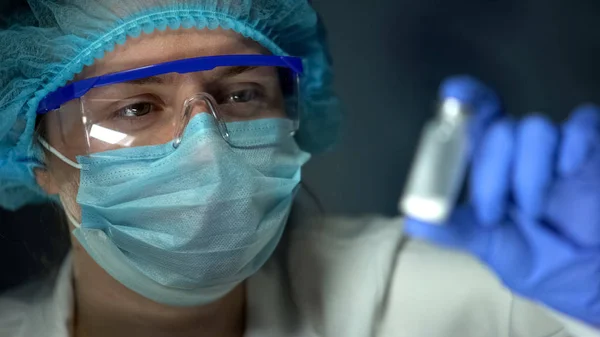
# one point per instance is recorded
(136, 110)
(242, 96)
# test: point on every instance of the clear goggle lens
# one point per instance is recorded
(157, 110)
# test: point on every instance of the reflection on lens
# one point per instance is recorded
(106, 135)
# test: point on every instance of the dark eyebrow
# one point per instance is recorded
(228, 72)
(233, 71)
(150, 80)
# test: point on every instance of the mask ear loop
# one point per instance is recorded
(72, 219)
(58, 154)
(69, 215)
(187, 114)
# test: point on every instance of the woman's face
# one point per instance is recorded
(65, 132)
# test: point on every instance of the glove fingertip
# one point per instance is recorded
(579, 134)
(469, 90)
(490, 175)
(537, 142)
(573, 151)
(587, 114)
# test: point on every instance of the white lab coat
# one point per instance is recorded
(346, 278)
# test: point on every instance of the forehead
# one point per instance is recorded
(171, 45)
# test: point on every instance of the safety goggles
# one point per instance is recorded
(152, 105)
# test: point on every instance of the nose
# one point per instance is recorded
(196, 105)
(199, 104)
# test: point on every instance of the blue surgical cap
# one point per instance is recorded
(48, 43)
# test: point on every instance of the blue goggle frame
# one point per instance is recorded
(77, 89)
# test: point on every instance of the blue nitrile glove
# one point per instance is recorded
(534, 210)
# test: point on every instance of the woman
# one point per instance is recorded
(173, 135)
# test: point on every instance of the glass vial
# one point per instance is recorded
(439, 168)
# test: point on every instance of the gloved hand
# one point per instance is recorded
(534, 210)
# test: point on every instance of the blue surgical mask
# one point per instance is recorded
(185, 226)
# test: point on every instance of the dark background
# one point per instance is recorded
(541, 55)
(390, 56)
